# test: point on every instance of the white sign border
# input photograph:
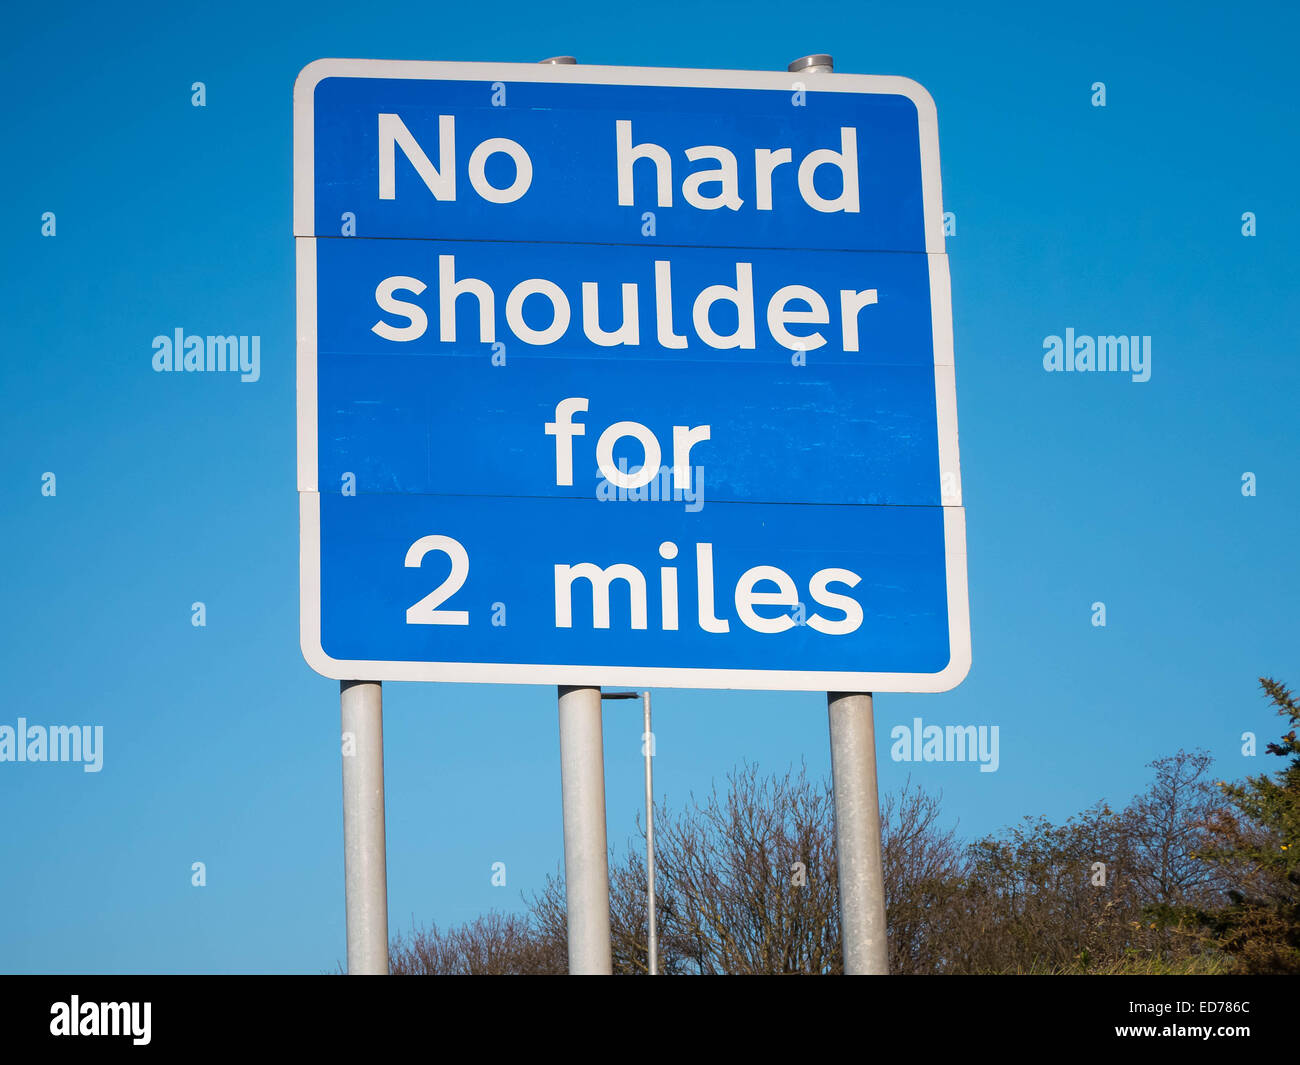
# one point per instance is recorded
(653, 676)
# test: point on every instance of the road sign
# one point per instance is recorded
(616, 375)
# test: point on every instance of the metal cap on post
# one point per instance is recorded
(812, 64)
(559, 60)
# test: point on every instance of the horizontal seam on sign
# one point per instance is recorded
(584, 499)
(774, 362)
(614, 244)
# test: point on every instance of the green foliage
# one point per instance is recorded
(1256, 842)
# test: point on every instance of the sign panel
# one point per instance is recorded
(625, 376)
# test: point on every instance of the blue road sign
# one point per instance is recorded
(625, 376)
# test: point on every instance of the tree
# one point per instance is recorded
(1183, 876)
(1168, 827)
(923, 869)
(745, 883)
(1256, 847)
(495, 944)
(1045, 896)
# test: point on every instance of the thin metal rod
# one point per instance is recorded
(586, 858)
(857, 834)
(365, 867)
(648, 744)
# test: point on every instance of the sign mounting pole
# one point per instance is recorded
(364, 859)
(857, 834)
(582, 782)
(586, 854)
(857, 796)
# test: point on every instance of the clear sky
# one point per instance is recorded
(221, 745)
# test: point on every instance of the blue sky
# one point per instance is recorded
(221, 745)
